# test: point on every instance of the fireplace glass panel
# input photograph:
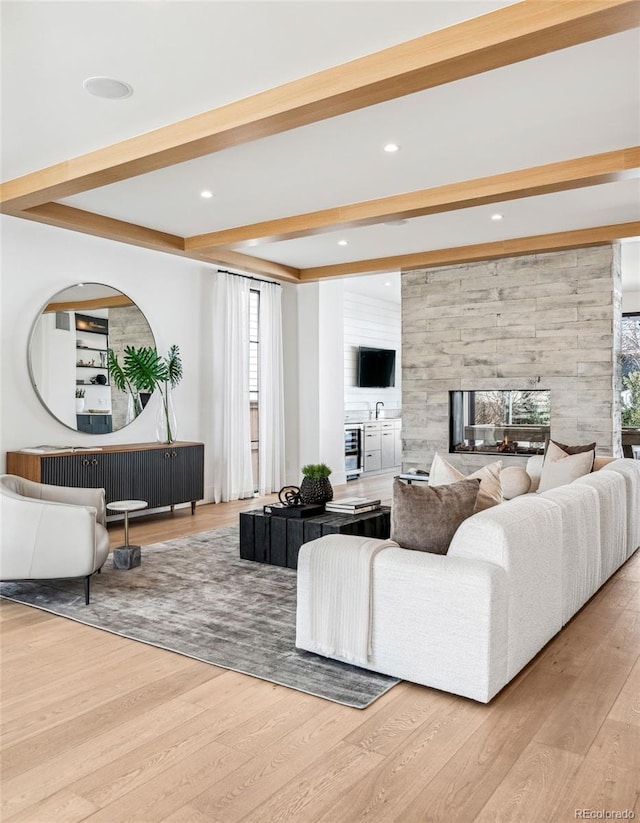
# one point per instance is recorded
(513, 421)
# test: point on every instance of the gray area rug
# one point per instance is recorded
(195, 596)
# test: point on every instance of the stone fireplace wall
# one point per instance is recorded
(545, 321)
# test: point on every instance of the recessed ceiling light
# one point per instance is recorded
(388, 283)
(391, 147)
(497, 216)
(206, 194)
(107, 87)
(343, 242)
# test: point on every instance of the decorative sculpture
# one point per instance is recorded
(289, 496)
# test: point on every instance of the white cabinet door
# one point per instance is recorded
(387, 449)
(371, 437)
(372, 460)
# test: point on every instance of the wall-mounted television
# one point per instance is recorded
(376, 368)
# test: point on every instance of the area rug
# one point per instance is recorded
(195, 596)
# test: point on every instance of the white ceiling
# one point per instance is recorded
(183, 58)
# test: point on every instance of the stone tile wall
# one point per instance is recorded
(127, 327)
(544, 321)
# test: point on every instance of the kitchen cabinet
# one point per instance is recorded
(382, 445)
(95, 423)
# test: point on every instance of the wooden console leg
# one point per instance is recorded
(193, 507)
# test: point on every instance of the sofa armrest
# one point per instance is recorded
(436, 620)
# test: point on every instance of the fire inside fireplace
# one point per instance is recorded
(514, 421)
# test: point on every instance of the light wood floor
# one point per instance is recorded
(99, 728)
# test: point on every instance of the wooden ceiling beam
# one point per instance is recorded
(97, 225)
(509, 35)
(553, 177)
(537, 244)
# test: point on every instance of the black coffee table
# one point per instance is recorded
(268, 538)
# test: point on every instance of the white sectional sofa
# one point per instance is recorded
(467, 622)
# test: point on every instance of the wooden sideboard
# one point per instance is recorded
(161, 474)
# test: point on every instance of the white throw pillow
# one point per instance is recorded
(490, 493)
(560, 468)
(515, 481)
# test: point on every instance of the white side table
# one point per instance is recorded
(127, 556)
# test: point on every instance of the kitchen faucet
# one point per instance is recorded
(379, 403)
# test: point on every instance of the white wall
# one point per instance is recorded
(320, 377)
(37, 262)
(377, 323)
(53, 363)
(631, 301)
(175, 294)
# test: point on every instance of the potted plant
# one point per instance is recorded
(144, 370)
(79, 401)
(315, 486)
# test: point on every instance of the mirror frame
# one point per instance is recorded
(127, 301)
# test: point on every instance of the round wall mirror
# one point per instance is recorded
(68, 356)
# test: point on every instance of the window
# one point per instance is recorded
(630, 395)
(254, 381)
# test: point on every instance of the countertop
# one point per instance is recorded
(358, 421)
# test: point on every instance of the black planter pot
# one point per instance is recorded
(316, 490)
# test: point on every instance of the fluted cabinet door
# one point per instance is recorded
(152, 470)
(169, 475)
(187, 473)
(108, 470)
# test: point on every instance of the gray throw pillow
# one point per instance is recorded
(425, 518)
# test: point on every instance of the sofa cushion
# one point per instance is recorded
(611, 489)
(560, 468)
(629, 469)
(425, 518)
(524, 537)
(515, 481)
(581, 544)
(490, 494)
(587, 447)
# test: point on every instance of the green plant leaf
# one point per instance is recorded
(173, 364)
(316, 470)
(115, 370)
(144, 368)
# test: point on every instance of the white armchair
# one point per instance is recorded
(51, 532)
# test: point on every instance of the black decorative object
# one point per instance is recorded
(303, 510)
(315, 486)
(289, 496)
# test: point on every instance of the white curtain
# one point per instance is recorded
(271, 395)
(232, 474)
